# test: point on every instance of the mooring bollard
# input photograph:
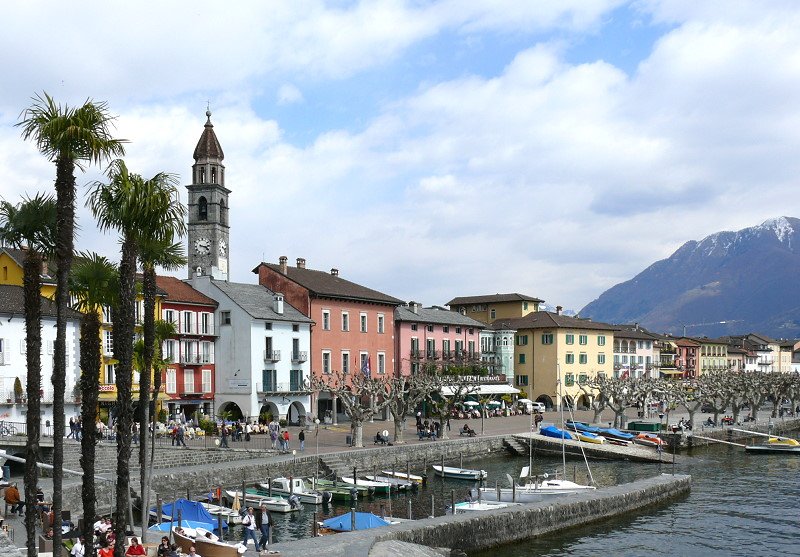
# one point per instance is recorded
(453, 501)
(269, 486)
(433, 512)
(409, 510)
(442, 467)
(159, 508)
(313, 526)
(219, 526)
(513, 492)
(352, 519)
(497, 489)
(383, 511)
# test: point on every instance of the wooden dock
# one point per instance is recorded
(605, 451)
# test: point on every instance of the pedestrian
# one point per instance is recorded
(273, 437)
(181, 436)
(134, 433)
(265, 523)
(302, 438)
(224, 434)
(249, 523)
(78, 428)
(247, 430)
(286, 440)
(71, 428)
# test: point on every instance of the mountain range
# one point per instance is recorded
(727, 283)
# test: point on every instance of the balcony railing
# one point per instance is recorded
(196, 359)
(197, 332)
(282, 387)
(299, 357)
(272, 355)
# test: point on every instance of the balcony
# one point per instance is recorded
(282, 387)
(415, 354)
(299, 357)
(448, 354)
(272, 355)
(197, 332)
(196, 359)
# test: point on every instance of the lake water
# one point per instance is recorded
(739, 504)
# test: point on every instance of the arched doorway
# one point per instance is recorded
(268, 412)
(584, 402)
(568, 401)
(230, 411)
(546, 400)
(296, 414)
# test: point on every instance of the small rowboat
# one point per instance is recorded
(403, 476)
(396, 483)
(587, 437)
(336, 488)
(273, 504)
(478, 506)
(776, 445)
(381, 488)
(459, 473)
(649, 440)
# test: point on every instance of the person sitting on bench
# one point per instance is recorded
(466, 430)
(380, 438)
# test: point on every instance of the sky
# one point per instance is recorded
(435, 149)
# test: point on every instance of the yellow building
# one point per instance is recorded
(11, 272)
(713, 355)
(549, 345)
(489, 308)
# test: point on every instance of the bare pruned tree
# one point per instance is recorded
(404, 393)
(595, 397)
(454, 387)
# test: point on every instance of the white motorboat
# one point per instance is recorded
(273, 504)
(403, 476)
(380, 487)
(533, 490)
(296, 486)
(397, 483)
(228, 514)
(459, 473)
(479, 506)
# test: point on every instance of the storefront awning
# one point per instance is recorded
(487, 389)
(672, 372)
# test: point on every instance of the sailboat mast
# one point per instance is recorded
(561, 400)
(530, 447)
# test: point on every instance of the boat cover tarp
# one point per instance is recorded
(190, 511)
(553, 431)
(193, 524)
(364, 521)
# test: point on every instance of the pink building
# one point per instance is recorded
(434, 335)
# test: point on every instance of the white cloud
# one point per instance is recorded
(289, 94)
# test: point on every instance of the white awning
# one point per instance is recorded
(492, 389)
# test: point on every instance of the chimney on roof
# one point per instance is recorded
(636, 326)
(301, 263)
(414, 307)
(334, 272)
(277, 303)
(558, 310)
(283, 261)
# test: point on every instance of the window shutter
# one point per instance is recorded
(211, 324)
(211, 352)
(23, 348)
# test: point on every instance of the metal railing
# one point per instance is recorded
(197, 359)
(272, 355)
(299, 357)
(282, 387)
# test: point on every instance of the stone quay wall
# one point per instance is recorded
(475, 531)
(726, 433)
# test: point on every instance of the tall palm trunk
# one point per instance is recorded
(65, 232)
(90, 387)
(123, 353)
(149, 293)
(33, 343)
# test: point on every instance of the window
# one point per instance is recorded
(522, 358)
(429, 328)
(172, 381)
(569, 379)
(583, 378)
(365, 369)
(445, 348)
(522, 340)
(570, 339)
(268, 326)
(601, 358)
(381, 363)
(430, 348)
(583, 339)
(583, 358)
(188, 322)
(525, 305)
(206, 352)
(295, 328)
(188, 381)
(169, 351)
(458, 330)
(108, 344)
(345, 361)
(459, 347)
(206, 386)
(326, 361)
(111, 375)
(640, 344)
(570, 358)
(296, 381)
(363, 319)
(202, 204)
(624, 359)
(445, 328)
(521, 380)
(345, 321)
(413, 326)
(547, 338)
(471, 331)
(225, 317)
(381, 323)
(326, 320)
(601, 340)
(471, 347)
(169, 316)
(492, 314)
(207, 323)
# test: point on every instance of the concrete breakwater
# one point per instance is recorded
(486, 530)
(551, 446)
(726, 433)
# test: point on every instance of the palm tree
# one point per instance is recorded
(152, 253)
(68, 137)
(133, 206)
(32, 225)
(94, 282)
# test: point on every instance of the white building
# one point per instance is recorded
(635, 352)
(497, 350)
(261, 352)
(13, 365)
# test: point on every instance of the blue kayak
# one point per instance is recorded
(616, 434)
(583, 427)
(553, 431)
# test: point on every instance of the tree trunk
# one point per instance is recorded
(123, 353)
(65, 239)
(149, 294)
(775, 404)
(90, 386)
(358, 432)
(33, 359)
(598, 413)
(399, 429)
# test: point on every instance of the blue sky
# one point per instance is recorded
(437, 149)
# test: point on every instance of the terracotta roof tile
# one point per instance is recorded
(178, 291)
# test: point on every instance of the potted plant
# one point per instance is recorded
(18, 391)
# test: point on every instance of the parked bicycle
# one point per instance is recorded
(7, 429)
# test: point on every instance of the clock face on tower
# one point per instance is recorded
(202, 246)
(222, 248)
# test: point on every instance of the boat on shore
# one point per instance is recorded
(587, 437)
(297, 487)
(228, 514)
(465, 507)
(459, 473)
(649, 440)
(557, 433)
(612, 433)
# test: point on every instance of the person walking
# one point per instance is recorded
(249, 523)
(264, 524)
(181, 435)
(223, 431)
(71, 428)
(286, 440)
(302, 438)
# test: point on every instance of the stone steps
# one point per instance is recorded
(335, 466)
(516, 446)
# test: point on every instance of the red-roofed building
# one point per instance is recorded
(189, 381)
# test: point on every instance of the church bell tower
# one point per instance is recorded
(208, 229)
